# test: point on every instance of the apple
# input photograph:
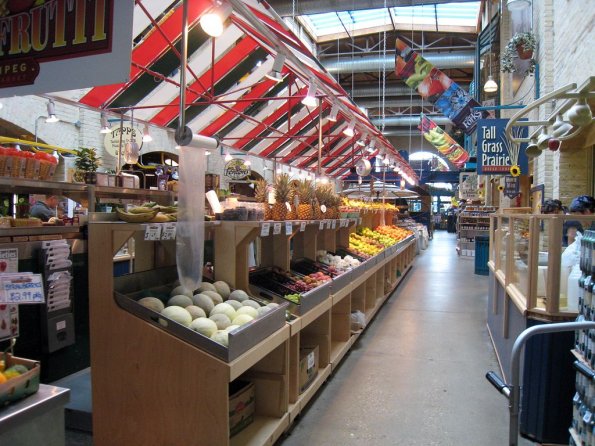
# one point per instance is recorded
(554, 144)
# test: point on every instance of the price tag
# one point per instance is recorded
(288, 228)
(153, 232)
(22, 289)
(265, 229)
(168, 231)
(302, 226)
(329, 223)
(323, 209)
(321, 225)
(334, 224)
(277, 228)
(343, 223)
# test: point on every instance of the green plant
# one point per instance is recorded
(87, 160)
(525, 41)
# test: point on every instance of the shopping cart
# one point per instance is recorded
(512, 391)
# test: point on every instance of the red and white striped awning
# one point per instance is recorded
(227, 93)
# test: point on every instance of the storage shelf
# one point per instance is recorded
(338, 351)
(26, 186)
(38, 230)
(262, 431)
(306, 395)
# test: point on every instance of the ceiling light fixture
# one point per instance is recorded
(51, 112)
(517, 5)
(580, 114)
(310, 98)
(334, 112)
(532, 149)
(207, 152)
(146, 135)
(228, 157)
(247, 163)
(104, 124)
(490, 86)
(361, 143)
(560, 128)
(350, 130)
(212, 21)
(275, 73)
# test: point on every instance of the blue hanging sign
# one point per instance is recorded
(496, 154)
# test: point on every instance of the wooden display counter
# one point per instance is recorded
(150, 387)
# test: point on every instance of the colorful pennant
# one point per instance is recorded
(443, 142)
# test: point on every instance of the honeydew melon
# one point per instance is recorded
(221, 336)
(215, 297)
(175, 313)
(204, 326)
(264, 310)
(203, 301)
(222, 288)
(251, 303)
(238, 295)
(226, 309)
(179, 300)
(272, 305)
(248, 310)
(195, 311)
(222, 320)
(236, 304)
(242, 319)
(152, 303)
(180, 290)
(205, 286)
(231, 328)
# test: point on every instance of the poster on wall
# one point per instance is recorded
(55, 45)
(236, 169)
(111, 141)
(9, 313)
(496, 154)
(435, 86)
(468, 186)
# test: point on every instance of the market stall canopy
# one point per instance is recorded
(228, 93)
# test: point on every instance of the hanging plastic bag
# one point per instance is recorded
(190, 228)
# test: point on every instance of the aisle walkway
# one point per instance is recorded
(416, 376)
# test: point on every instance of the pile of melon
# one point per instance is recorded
(213, 310)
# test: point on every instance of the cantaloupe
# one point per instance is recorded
(205, 286)
(221, 336)
(238, 295)
(251, 303)
(264, 310)
(203, 301)
(178, 314)
(180, 300)
(152, 303)
(234, 303)
(180, 290)
(226, 309)
(248, 310)
(204, 326)
(222, 288)
(222, 320)
(215, 296)
(242, 319)
(195, 311)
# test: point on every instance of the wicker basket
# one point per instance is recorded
(22, 386)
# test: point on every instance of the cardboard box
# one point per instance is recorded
(241, 405)
(308, 366)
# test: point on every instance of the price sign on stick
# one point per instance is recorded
(321, 226)
(22, 289)
(265, 229)
(288, 228)
(334, 226)
(277, 228)
(153, 232)
(329, 223)
(302, 226)
(169, 231)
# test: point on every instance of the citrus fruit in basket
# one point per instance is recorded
(3, 378)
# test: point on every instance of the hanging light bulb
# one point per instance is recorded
(146, 135)
(402, 183)
(51, 112)
(490, 86)
(56, 155)
(212, 22)
(517, 5)
(362, 142)
(324, 180)
(359, 180)
(386, 161)
(334, 112)
(247, 163)
(228, 157)
(350, 130)
(104, 124)
(310, 99)
(207, 152)
(275, 73)
(580, 114)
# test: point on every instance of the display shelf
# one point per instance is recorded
(321, 377)
(262, 431)
(39, 230)
(338, 351)
(575, 436)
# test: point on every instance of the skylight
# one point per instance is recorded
(444, 17)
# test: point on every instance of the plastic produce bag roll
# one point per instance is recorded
(190, 228)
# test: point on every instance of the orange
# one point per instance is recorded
(3, 378)
(9, 374)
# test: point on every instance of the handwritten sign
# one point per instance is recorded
(265, 229)
(288, 228)
(23, 288)
(277, 228)
(153, 232)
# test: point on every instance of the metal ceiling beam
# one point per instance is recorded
(374, 63)
(391, 89)
(305, 7)
(405, 121)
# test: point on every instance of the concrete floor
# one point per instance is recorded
(416, 376)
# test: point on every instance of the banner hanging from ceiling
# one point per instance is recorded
(58, 45)
(435, 86)
(443, 142)
(496, 154)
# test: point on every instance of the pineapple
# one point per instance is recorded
(261, 193)
(305, 193)
(322, 196)
(282, 191)
(292, 214)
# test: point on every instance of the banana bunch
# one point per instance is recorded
(165, 214)
(137, 214)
